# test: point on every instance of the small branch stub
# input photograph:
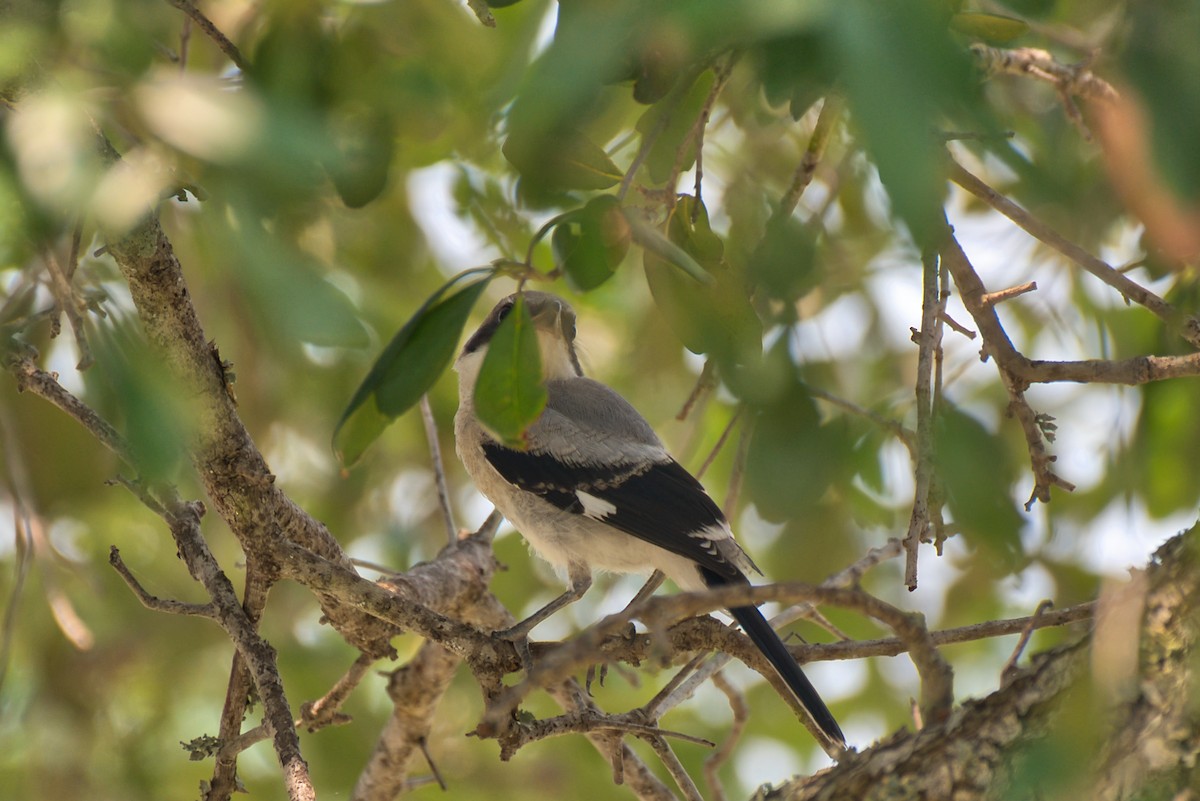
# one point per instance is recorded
(992, 298)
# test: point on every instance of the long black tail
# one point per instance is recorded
(764, 637)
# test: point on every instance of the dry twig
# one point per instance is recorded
(1131, 291)
(827, 120)
(929, 342)
(439, 468)
(212, 32)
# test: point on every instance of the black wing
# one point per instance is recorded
(615, 470)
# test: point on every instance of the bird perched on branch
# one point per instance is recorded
(595, 489)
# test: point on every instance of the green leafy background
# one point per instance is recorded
(375, 150)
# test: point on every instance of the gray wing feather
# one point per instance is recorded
(586, 423)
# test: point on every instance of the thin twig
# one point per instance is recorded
(591, 720)
(956, 326)
(1010, 667)
(992, 298)
(326, 709)
(741, 714)
(723, 72)
(654, 708)
(928, 340)
(153, 602)
(64, 296)
(716, 449)
(643, 153)
(76, 244)
(831, 112)
(433, 768)
(851, 575)
(738, 471)
(185, 40)
(23, 546)
(661, 747)
(628, 769)
(703, 385)
(894, 646)
(895, 427)
(694, 138)
(45, 385)
(1009, 361)
(1070, 80)
(439, 469)
(212, 32)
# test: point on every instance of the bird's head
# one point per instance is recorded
(554, 323)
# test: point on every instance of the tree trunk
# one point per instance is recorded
(1074, 724)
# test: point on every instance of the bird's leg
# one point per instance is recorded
(581, 579)
(653, 583)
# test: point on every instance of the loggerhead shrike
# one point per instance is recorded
(596, 490)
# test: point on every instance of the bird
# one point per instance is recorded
(594, 489)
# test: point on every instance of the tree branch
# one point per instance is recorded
(929, 343)
(234, 472)
(1069, 79)
(1008, 360)
(212, 32)
(1189, 324)
(45, 385)
(153, 602)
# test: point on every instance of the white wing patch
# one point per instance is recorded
(593, 507)
(712, 533)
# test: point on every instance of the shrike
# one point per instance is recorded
(596, 490)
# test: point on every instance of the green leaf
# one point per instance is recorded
(1162, 456)
(793, 457)
(902, 73)
(977, 472)
(784, 264)
(158, 418)
(407, 368)
(795, 69)
(995, 28)
(295, 301)
(510, 394)
(713, 317)
(589, 246)
(365, 143)
(1161, 60)
(654, 242)
(567, 160)
(673, 118)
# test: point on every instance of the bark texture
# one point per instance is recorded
(1147, 748)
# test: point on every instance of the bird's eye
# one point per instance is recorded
(503, 311)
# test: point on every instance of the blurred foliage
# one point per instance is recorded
(372, 151)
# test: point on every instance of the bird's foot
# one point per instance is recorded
(518, 635)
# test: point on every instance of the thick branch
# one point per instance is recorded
(1150, 751)
(259, 656)
(961, 758)
(235, 475)
(561, 661)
